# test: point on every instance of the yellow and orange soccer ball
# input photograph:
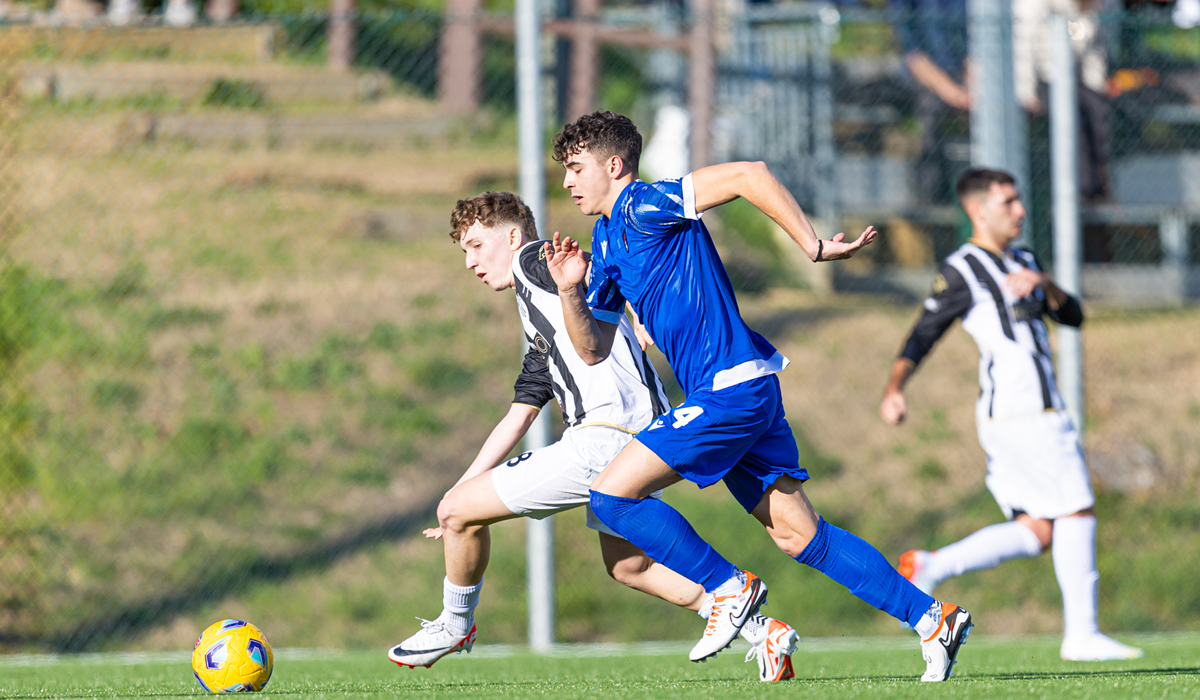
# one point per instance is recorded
(233, 656)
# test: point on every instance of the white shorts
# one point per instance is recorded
(557, 477)
(1035, 466)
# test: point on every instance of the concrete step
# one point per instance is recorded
(190, 82)
(279, 131)
(241, 43)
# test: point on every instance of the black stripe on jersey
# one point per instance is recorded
(532, 261)
(1047, 402)
(988, 281)
(555, 389)
(951, 299)
(995, 258)
(1037, 337)
(652, 383)
(546, 330)
(647, 371)
(992, 385)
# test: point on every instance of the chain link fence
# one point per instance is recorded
(241, 361)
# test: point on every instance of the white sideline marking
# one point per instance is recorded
(561, 651)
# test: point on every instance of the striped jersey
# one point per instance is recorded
(1016, 373)
(623, 390)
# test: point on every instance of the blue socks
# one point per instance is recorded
(661, 532)
(855, 564)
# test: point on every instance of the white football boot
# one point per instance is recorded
(729, 614)
(941, 648)
(430, 644)
(774, 655)
(1097, 647)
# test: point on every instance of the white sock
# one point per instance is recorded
(458, 605)
(1074, 556)
(733, 586)
(755, 629)
(983, 550)
(929, 621)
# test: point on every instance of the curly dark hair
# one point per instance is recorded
(604, 135)
(980, 180)
(492, 209)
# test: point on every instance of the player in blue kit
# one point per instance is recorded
(651, 249)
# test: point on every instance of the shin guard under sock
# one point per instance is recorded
(855, 564)
(665, 536)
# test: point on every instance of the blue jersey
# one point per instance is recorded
(656, 253)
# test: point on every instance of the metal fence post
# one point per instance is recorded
(532, 175)
(1173, 234)
(1068, 249)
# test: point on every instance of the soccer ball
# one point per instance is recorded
(233, 656)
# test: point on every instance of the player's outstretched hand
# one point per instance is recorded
(566, 262)
(893, 409)
(433, 533)
(838, 249)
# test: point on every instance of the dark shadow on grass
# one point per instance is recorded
(221, 582)
(1089, 674)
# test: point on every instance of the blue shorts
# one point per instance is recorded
(737, 435)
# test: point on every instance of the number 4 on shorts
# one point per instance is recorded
(686, 414)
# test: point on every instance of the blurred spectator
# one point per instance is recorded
(1032, 70)
(933, 35)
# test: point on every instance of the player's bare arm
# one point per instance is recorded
(592, 339)
(894, 408)
(938, 81)
(754, 182)
(499, 444)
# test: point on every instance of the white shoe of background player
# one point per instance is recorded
(913, 567)
(1097, 647)
(774, 655)
(430, 644)
(729, 614)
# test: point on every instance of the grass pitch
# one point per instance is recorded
(825, 668)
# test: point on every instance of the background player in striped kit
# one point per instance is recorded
(603, 406)
(1035, 468)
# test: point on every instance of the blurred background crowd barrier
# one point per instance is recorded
(240, 361)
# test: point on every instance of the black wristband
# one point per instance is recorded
(820, 250)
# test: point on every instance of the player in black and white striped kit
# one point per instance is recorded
(1035, 468)
(604, 406)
